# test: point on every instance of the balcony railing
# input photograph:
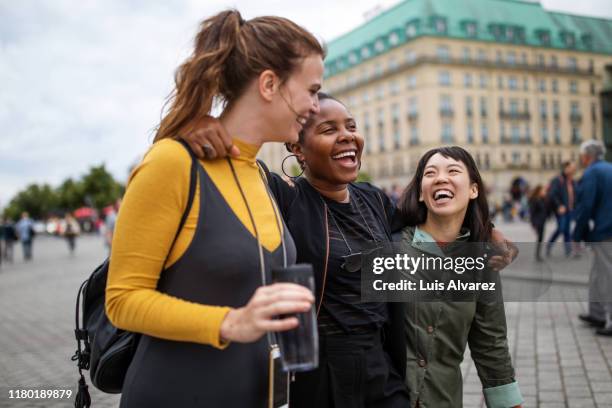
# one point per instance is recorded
(576, 117)
(514, 115)
(460, 62)
(446, 112)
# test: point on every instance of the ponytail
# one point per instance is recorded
(229, 52)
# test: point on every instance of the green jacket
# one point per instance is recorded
(436, 334)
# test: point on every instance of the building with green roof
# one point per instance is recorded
(519, 85)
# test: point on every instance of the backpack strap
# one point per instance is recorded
(192, 187)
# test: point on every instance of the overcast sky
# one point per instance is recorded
(82, 82)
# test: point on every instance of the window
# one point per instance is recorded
(444, 78)
(524, 58)
(379, 46)
(527, 133)
(411, 29)
(470, 29)
(516, 158)
(525, 84)
(484, 132)
(568, 39)
(413, 107)
(500, 103)
(468, 106)
(467, 55)
(414, 135)
(467, 80)
(556, 109)
(526, 106)
(397, 137)
(410, 56)
(554, 85)
(592, 88)
(574, 109)
(411, 82)
(394, 87)
(572, 64)
(482, 55)
(470, 133)
(395, 112)
(440, 25)
(500, 82)
(573, 87)
(540, 59)
(541, 85)
(394, 38)
(446, 104)
(543, 110)
(381, 129)
(365, 97)
(511, 58)
(378, 70)
(576, 136)
(554, 62)
(544, 36)
(544, 134)
(365, 52)
(392, 63)
(557, 135)
(380, 92)
(443, 53)
(483, 106)
(513, 106)
(447, 133)
(513, 83)
(483, 81)
(498, 57)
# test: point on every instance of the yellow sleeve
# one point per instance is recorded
(146, 225)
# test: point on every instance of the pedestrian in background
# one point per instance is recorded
(25, 232)
(70, 230)
(538, 212)
(561, 195)
(9, 236)
(593, 204)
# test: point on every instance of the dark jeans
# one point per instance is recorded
(564, 223)
(354, 372)
(27, 249)
(539, 229)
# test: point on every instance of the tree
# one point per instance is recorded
(100, 188)
(37, 200)
(70, 195)
(364, 176)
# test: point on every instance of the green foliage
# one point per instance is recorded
(364, 176)
(97, 188)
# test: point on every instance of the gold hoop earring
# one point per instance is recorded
(283, 166)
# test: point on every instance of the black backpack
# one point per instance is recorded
(102, 348)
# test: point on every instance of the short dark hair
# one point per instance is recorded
(477, 218)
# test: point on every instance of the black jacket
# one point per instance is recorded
(305, 214)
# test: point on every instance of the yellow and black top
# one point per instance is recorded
(149, 216)
(214, 265)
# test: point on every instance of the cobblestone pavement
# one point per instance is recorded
(559, 361)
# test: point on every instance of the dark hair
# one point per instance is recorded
(229, 52)
(565, 165)
(535, 193)
(477, 218)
